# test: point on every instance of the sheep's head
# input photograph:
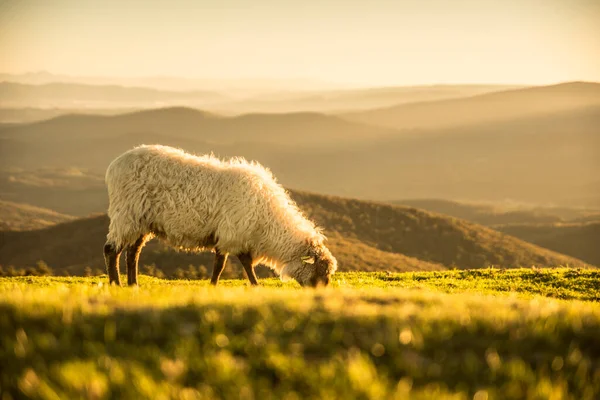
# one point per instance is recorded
(314, 268)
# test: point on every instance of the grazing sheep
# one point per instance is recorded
(202, 203)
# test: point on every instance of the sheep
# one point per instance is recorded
(201, 203)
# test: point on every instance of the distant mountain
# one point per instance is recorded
(246, 86)
(363, 236)
(20, 217)
(539, 159)
(72, 95)
(576, 239)
(93, 141)
(32, 114)
(26, 102)
(352, 99)
(485, 108)
(543, 158)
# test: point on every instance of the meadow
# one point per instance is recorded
(480, 334)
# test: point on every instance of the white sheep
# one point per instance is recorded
(202, 203)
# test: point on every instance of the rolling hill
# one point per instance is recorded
(423, 235)
(484, 108)
(363, 235)
(71, 247)
(576, 239)
(58, 94)
(65, 94)
(571, 231)
(492, 214)
(174, 83)
(330, 101)
(20, 217)
(92, 141)
(15, 115)
(541, 158)
(193, 124)
(66, 191)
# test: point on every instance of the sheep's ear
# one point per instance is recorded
(308, 259)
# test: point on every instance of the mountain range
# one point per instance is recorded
(543, 158)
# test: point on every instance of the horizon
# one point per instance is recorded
(120, 80)
(346, 44)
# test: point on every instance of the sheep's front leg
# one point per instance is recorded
(246, 260)
(133, 255)
(111, 258)
(218, 266)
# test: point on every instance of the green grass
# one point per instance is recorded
(487, 334)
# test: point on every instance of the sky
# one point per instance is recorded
(359, 42)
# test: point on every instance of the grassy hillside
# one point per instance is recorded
(579, 240)
(72, 338)
(65, 190)
(19, 217)
(570, 231)
(420, 234)
(364, 236)
(503, 214)
(71, 247)
(484, 108)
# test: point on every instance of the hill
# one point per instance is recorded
(69, 95)
(61, 92)
(189, 123)
(484, 108)
(570, 231)
(352, 99)
(537, 159)
(424, 235)
(579, 240)
(247, 86)
(20, 217)
(64, 190)
(15, 115)
(325, 154)
(363, 235)
(80, 338)
(491, 214)
(92, 141)
(69, 248)
(114, 100)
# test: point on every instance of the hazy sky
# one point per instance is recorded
(375, 42)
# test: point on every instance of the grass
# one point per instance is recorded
(487, 334)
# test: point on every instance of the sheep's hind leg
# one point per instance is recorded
(218, 266)
(111, 258)
(133, 255)
(246, 260)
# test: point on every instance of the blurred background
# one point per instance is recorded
(457, 134)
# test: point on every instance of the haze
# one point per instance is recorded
(358, 43)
